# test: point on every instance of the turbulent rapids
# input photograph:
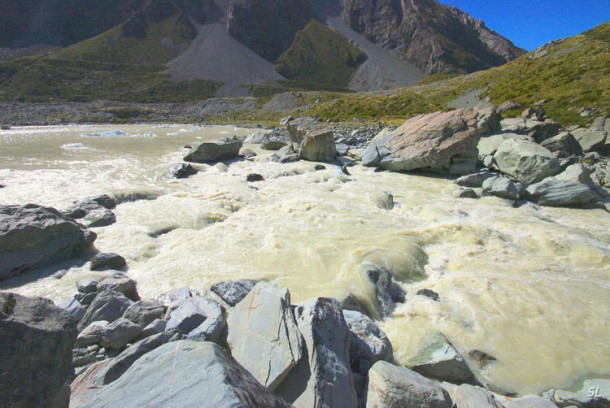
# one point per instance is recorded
(528, 285)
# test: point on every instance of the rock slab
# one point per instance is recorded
(212, 152)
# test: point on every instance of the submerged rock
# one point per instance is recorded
(36, 354)
(387, 292)
(392, 387)
(182, 170)
(213, 152)
(193, 374)
(32, 236)
(263, 334)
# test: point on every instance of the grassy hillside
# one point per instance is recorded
(570, 75)
(320, 55)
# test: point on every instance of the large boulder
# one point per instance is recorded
(593, 138)
(323, 378)
(187, 373)
(212, 152)
(555, 192)
(263, 334)
(298, 128)
(393, 387)
(36, 354)
(32, 236)
(440, 141)
(563, 145)
(318, 145)
(489, 145)
(526, 161)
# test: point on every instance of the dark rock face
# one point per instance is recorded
(267, 27)
(432, 36)
(36, 354)
(182, 170)
(213, 152)
(31, 236)
(107, 260)
(108, 306)
(387, 291)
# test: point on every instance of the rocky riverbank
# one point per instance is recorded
(257, 346)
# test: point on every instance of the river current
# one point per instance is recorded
(529, 285)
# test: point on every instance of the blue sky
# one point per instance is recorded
(531, 23)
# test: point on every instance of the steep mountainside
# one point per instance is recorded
(237, 46)
(434, 37)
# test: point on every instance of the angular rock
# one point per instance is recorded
(125, 286)
(285, 155)
(119, 333)
(32, 236)
(234, 291)
(594, 393)
(273, 144)
(155, 327)
(74, 307)
(593, 138)
(213, 152)
(85, 299)
(101, 217)
(92, 334)
(470, 396)
(387, 291)
(86, 286)
(318, 145)
(392, 387)
(440, 141)
(263, 335)
(475, 179)
(182, 170)
(36, 354)
(298, 128)
(488, 145)
(195, 374)
(194, 312)
(108, 305)
(501, 187)
(323, 378)
(144, 312)
(563, 145)
(525, 161)
(351, 302)
(537, 130)
(439, 360)
(105, 261)
(368, 343)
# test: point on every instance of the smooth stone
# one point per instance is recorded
(252, 177)
(105, 261)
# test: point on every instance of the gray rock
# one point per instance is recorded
(104, 200)
(531, 401)
(594, 393)
(182, 170)
(439, 360)
(285, 155)
(32, 236)
(298, 128)
(92, 334)
(105, 261)
(144, 312)
(195, 374)
(81, 208)
(466, 193)
(252, 177)
(395, 387)
(107, 305)
(101, 217)
(86, 286)
(475, 179)
(263, 335)
(563, 145)
(213, 152)
(323, 378)
(155, 327)
(591, 139)
(275, 140)
(501, 187)
(121, 363)
(387, 292)
(556, 192)
(368, 343)
(119, 333)
(440, 141)
(74, 307)
(351, 302)
(525, 161)
(85, 299)
(383, 200)
(429, 293)
(36, 354)
(470, 396)
(194, 312)
(318, 145)
(509, 105)
(125, 286)
(536, 129)
(234, 291)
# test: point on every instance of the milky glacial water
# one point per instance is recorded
(528, 285)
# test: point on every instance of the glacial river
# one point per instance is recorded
(528, 285)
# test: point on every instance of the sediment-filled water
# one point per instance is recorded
(528, 285)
